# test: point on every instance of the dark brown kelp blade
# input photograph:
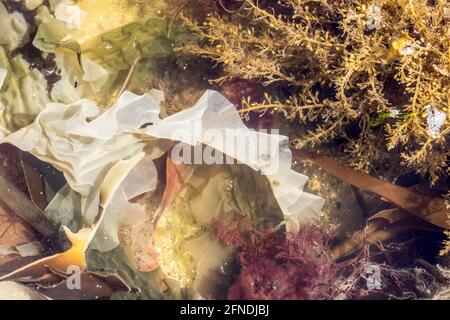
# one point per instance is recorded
(15, 200)
(34, 179)
(430, 209)
(92, 286)
(58, 285)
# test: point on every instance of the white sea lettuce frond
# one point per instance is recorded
(3, 73)
(84, 150)
(23, 93)
(92, 60)
(84, 143)
(23, 90)
(268, 153)
(14, 29)
(69, 12)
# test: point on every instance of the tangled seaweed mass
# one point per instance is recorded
(374, 74)
(224, 149)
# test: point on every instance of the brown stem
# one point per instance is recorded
(425, 207)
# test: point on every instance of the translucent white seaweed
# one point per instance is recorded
(84, 143)
(69, 12)
(86, 150)
(10, 290)
(213, 112)
(29, 249)
(14, 29)
(3, 73)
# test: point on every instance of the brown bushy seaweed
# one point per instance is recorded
(374, 74)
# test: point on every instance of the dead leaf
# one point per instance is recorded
(174, 184)
(14, 231)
